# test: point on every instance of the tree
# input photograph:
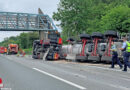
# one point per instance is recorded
(117, 19)
(73, 15)
(78, 16)
(24, 40)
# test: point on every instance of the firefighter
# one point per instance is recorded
(126, 53)
(115, 56)
(5, 50)
(23, 52)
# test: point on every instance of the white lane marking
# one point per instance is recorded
(121, 87)
(58, 78)
(5, 89)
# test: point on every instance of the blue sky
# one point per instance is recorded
(27, 6)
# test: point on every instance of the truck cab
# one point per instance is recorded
(53, 42)
(12, 49)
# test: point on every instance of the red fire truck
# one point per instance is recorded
(2, 50)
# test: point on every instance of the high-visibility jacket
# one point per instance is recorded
(128, 46)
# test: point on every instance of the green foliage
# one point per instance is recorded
(118, 18)
(24, 40)
(78, 16)
(28, 51)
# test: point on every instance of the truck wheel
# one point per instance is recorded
(85, 36)
(37, 41)
(34, 56)
(111, 33)
(97, 35)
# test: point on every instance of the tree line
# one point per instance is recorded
(79, 16)
(24, 40)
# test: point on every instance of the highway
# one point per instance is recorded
(25, 73)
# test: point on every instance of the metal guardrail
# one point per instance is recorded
(10, 21)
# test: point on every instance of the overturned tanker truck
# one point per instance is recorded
(93, 48)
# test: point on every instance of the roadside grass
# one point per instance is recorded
(28, 51)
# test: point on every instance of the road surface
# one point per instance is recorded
(24, 73)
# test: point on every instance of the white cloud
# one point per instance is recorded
(30, 6)
(26, 6)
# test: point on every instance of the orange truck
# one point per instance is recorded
(12, 49)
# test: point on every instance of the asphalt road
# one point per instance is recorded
(20, 73)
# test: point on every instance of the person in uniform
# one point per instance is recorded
(126, 53)
(115, 56)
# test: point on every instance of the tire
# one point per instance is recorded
(34, 57)
(97, 35)
(85, 36)
(37, 42)
(111, 33)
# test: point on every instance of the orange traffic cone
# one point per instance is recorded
(1, 83)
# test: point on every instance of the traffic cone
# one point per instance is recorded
(1, 83)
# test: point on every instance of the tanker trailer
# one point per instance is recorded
(95, 54)
(110, 35)
(78, 51)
